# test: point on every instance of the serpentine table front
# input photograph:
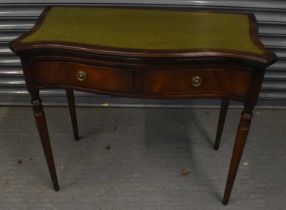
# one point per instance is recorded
(148, 53)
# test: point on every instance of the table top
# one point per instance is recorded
(148, 31)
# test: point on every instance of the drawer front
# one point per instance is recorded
(83, 76)
(196, 82)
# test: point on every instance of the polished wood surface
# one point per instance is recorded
(40, 119)
(95, 78)
(180, 82)
(147, 82)
(241, 136)
(222, 116)
(72, 109)
(147, 73)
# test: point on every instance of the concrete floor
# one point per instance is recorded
(134, 158)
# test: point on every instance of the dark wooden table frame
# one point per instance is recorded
(137, 74)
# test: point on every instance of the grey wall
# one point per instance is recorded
(18, 16)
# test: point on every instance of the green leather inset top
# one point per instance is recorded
(151, 29)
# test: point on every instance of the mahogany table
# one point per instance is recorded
(146, 53)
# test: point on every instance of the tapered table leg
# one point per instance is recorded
(239, 144)
(71, 103)
(45, 140)
(222, 115)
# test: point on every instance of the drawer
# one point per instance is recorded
(204, 82)
(65, 74)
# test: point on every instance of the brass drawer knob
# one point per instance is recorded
(81, 76)
(196, 81)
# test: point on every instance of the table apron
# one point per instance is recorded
(159, 82)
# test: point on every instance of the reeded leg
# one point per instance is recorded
(240, 140)
(45, 140)
(71, 102)
(222, 115)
